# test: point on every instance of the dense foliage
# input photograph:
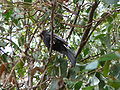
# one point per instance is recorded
(91, 28)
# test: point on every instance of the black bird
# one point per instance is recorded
(59, 45)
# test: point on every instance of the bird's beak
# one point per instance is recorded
(39, 34)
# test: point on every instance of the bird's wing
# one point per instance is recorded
(61, 39)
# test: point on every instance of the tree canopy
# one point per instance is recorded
(91, 28)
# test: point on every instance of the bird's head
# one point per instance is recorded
(43, 33)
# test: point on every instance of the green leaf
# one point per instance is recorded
(111, 56)
(21, 40)
(92, 65)
(111, 1)
(27, 0)
(94, 81)
(86, 51)
(15, 21)
(63, 68)
(70, 84)
(4, 57)
(8, 14)
(15, 46)
(109, 27)
(114, 71)
(78, 85)
(108, 40)
(109, 19)
(82, 22)
(88, 10)
(114, 83)
(55, 84)
(20, 69)
(106, 68)
(2, 28)
(75, 1)
(102, 82)
(3, 44)
(100, 36)
(88, 88)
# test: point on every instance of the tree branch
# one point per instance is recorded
(87, 35)
(75, 20)
(87, 30)
(90, 57)
(52, 25)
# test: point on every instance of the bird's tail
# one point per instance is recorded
(70, 56)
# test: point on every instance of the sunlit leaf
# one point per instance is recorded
(8, 13)
(111, 56)
(94, 81)
(92, 65)
(106, 68)
(88, 88)
(111, 1)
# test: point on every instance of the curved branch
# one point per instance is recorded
(87, 30)
(85, 37)
(75, 20)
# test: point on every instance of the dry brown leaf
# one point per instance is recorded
(34, 70)
(12, 80)
(2, 69)
(4, 1)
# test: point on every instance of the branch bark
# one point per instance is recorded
(52, 25)
(87, 30)
(75, 20)
(82, 44)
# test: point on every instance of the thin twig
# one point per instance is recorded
(98, 23)
(10, 74)
(52, 25)
(75, 20)
(89, 57)
(28, 46)
(73, 12)
(87, 30)
(30, 77)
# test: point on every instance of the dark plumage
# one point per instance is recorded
(59, 45)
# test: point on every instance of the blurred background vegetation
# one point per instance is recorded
(92, 29)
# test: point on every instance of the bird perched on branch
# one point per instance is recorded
(59, 45)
